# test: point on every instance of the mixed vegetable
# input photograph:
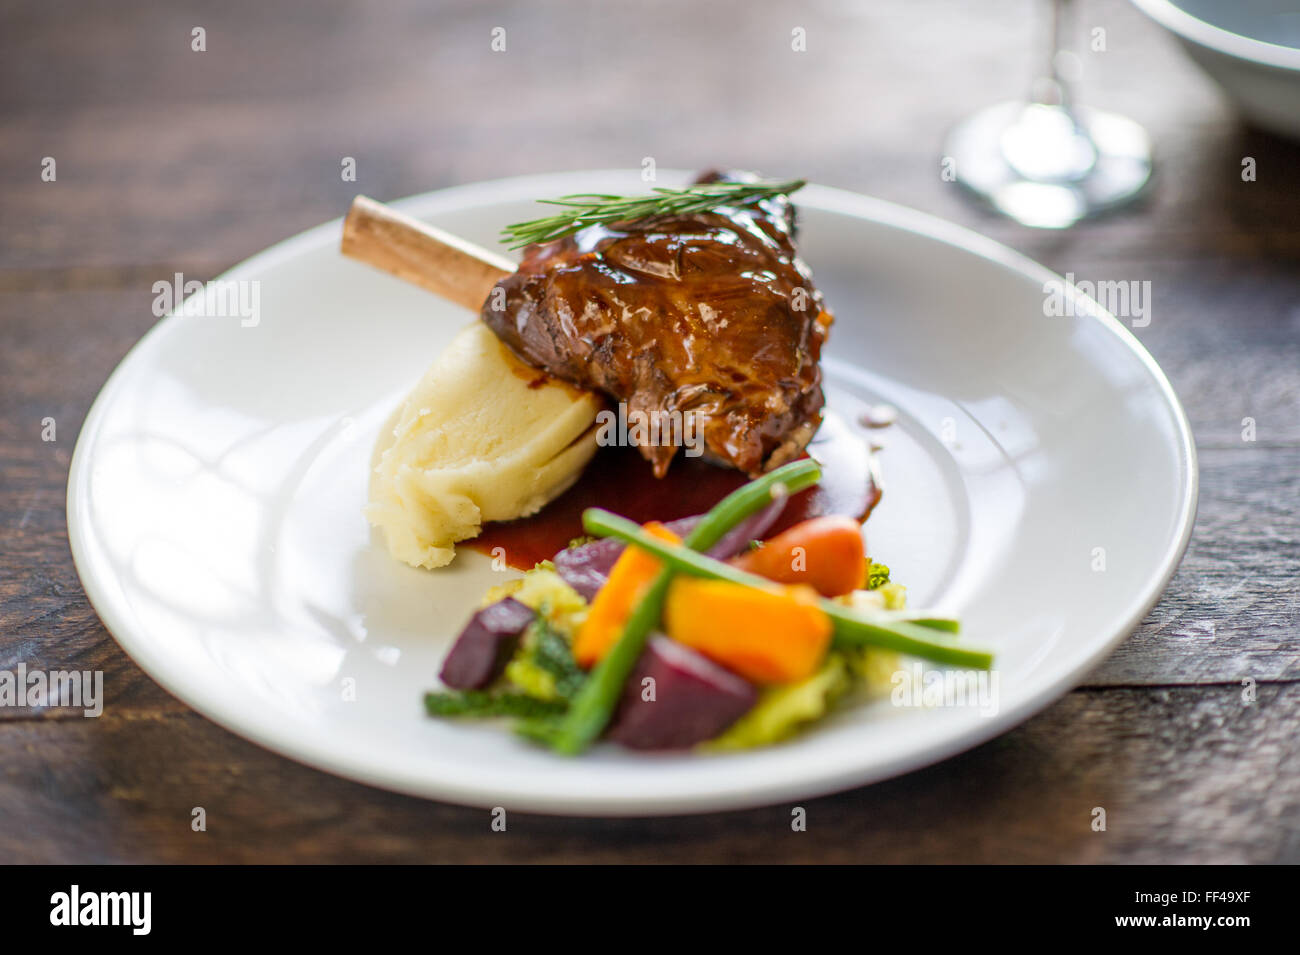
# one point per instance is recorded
(668, 636)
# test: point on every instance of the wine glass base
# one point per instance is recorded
(1048, 168)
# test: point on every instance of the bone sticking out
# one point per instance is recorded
(422, 254)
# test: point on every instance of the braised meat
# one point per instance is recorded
(710, 316)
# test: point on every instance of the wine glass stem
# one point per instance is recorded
(1053, 87)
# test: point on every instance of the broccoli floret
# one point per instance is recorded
(553, 654)
(543, 666)
(877, 576)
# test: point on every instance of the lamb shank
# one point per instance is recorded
(711, 315)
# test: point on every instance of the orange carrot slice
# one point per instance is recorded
(629, 579)
(777, 635)
(827, 553)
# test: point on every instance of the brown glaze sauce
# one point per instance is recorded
(707, 314)
(621, 480)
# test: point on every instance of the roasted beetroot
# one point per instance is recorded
(586, 567)
(691, 699)
(486, 644)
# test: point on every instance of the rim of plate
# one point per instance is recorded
(1189, 27)
(938, 742)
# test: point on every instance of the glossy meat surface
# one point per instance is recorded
(710, 316)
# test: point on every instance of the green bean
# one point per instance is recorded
(923, 618)
(849, 628)
(591, 709)
(750, 499)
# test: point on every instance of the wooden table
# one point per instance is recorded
(171, 160)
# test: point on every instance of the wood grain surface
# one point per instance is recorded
(171, 160)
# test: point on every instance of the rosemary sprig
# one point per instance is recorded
(591, 208)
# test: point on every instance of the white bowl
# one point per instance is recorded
(1249, 47)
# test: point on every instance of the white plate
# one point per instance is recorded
(214, 507)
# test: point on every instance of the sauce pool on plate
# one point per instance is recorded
(618, 479)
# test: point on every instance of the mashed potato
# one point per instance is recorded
(482, 437)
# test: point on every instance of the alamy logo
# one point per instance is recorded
(923, 687)
(632, 428)
(37, 689)
(75, 907)
(226, 298)
(1123, 299)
